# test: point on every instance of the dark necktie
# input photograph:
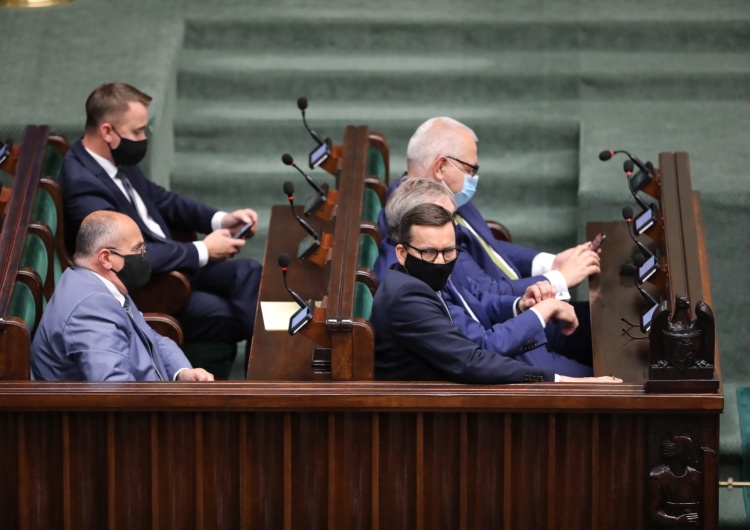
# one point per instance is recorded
(131, 195)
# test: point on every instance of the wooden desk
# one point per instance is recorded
(276, 355)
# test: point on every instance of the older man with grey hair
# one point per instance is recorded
(445, 150)
(91, 330)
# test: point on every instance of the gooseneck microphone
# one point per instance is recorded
(607, 154)
(627, 214)
(627, 167)
(289, 161)
(289, 190)
(284, 264)
(302, 106)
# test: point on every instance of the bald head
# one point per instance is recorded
(100, 230)
(436, 137)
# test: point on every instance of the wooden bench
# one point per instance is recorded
(325, 453)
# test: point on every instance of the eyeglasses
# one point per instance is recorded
(430, 254)
(474, 169)
(141, 249)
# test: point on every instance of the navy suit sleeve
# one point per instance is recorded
(422, 327)
(511, 337)
(466, 267)
(521, 257)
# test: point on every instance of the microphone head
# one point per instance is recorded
(627, 213)
(284, 260)
(289, 187)
(628, 166)
(605, 155)
(302, 103)
(638, 260)
(288, 160)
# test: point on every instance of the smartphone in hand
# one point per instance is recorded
(598, 241)
(243, 231)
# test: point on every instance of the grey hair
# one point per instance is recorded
(98, 230)
(411, 192)
(435, 137)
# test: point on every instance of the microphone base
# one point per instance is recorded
(325, 212)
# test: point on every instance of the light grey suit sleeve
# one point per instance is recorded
(97, 334)
(171, 354)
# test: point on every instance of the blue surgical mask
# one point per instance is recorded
(467, 190)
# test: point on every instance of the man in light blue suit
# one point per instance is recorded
(90, 330)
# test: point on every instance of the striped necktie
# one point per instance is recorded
(494, 256)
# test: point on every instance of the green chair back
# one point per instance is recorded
(22, 304)
(368, 251)
(370, 206)
(375, 163)
(362, 301)
(53, 162)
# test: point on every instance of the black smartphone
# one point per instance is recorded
(243, 231)
(600, 238)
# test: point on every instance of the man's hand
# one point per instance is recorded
(195, 374)
(221, 245)
(602, 379)
(535, 294)
(239, 218)
(559, 310)
(577, 263)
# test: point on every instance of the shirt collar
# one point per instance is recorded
(108, 166)
(112, 288)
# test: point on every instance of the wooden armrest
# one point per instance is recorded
(371, 229)
(166, 326)
(165, 293)
(367, 277)
(500, 231)
(378, 186)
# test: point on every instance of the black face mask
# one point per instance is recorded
(129, 152)
(136, 272)
(433, 274)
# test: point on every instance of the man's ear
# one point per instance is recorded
(401, 254)
(106, 132)
(438, 166)
(104, 257)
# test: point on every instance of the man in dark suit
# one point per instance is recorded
(101, 172)
(91, 329)
(415, 338)
(445, 150)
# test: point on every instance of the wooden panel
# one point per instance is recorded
(218, 483)
(398, 471)
(85, 490)
(40, 469)
(571, 461)
(262, 471)
(442, 471)
(174, 464)
(9, 464)
(309, 440)
(350, 470)
(485, 470)
(529, 471)
(131, 502)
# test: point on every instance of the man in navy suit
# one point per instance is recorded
(91, 330)
(486, 317)
(415, 337)
(445, 150)
(101, 172)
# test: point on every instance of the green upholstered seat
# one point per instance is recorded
(53, 162)
(370, 206)
(45, 210)
(375, 163)
(35, 256)
(368, 251)
(362, 301)
(22, 304)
